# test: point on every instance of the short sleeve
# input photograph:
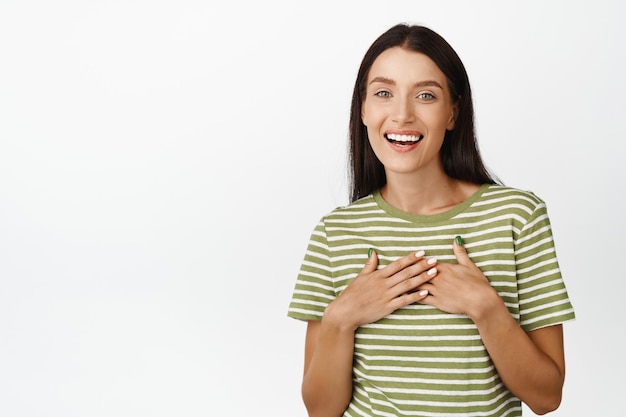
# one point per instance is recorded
(314, 288)
(544, 300)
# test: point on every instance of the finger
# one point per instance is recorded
(408, 280)
(431, 273)
(372, 261)
(415, 270)
(460, 252)
(408, 298)
(404, 262)
(427, 287)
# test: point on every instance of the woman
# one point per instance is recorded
(437, 291)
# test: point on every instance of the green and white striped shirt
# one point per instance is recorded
(421, 361)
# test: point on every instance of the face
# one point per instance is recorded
(407, 109)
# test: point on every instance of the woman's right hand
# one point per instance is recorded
(376, 293)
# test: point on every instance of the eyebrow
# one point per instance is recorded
(425, 83)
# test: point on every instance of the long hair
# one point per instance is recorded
(459, 152)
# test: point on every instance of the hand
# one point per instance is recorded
(374, 294)
(459, 289)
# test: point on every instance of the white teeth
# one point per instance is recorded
(403, 138)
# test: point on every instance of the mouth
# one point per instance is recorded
(403, 140)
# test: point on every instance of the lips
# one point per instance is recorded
(403, 140)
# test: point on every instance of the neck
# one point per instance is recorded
(425, 195)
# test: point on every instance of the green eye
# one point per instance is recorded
(425, 96)
(384, 94)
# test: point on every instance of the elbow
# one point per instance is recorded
(547, 397)
(546, 405)
(323, 406)
(320, 411)
(544, 409)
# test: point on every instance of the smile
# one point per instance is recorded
(403, 139)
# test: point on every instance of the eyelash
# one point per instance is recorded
(422, 96)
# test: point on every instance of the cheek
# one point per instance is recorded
(378, 147)
(438, 121)
(371, 116)
(370, 134)
(374, 142)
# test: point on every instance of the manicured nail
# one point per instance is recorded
(369, 252)
(420, 253)
(431, 261)
(459, 240)
(431, 272)
(424, 293)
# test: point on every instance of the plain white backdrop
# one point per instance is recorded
(162, 164)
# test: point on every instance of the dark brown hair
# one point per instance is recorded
(459, 152)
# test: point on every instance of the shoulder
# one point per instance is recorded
(500, 194)
(362, 207)
(521, 205)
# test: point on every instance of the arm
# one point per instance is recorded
(531, 365)
(329, 350)
(327, 381)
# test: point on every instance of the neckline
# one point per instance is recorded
(428, 218)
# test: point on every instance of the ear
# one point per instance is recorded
(453, 116)
(363, 120)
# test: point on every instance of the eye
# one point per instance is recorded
(426, 96)
(383, 94)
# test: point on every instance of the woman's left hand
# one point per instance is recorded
(459, 289)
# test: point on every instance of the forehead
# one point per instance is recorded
(405, 66)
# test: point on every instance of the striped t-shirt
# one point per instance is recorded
(421, 361)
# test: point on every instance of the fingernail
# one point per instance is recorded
(431, 272)
(459, 240)
(424, 293)
(420, 253)
(369, 252)
(431, 261)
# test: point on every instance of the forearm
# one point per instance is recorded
(329, 352)
(327, 383)
(527, 371)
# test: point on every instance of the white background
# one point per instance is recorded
(162, 164)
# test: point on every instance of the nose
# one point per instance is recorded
(403, 110)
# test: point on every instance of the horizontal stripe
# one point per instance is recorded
(420, 361)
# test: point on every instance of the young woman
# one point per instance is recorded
(437, 291)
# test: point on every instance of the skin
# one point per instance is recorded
(408, 94)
